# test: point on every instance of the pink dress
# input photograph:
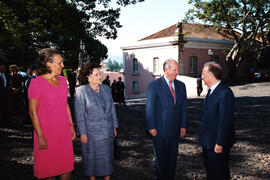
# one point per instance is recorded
(52, 112)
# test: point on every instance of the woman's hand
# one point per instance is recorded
(115, 132)
(73, 132)
(83, 138)
(42, 143)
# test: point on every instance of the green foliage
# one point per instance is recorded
(28, 26)
(113, 66)
(249, 17)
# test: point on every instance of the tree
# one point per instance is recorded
(113, 65)
(31, 25)
(28, 26)
(245, 21)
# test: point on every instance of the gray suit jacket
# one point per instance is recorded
(94, 112)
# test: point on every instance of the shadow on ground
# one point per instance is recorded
(250, 157)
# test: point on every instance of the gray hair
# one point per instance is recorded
(167, 64)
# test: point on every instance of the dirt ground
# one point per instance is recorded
(250, 156)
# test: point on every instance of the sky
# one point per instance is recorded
(143, 19)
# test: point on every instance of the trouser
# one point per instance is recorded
(216, 165)
(166, 151)
(121, 98)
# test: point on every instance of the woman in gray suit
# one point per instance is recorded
(96, 122)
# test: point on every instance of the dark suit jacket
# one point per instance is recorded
(161, 112)
(216, 126)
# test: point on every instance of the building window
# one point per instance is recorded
(193, 61)
(156, 65)
(135, 86)
(135, 66)
(214, 58)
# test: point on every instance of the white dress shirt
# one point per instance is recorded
(212, 88)
(168, 82)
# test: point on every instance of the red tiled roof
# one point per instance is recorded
(190, 30)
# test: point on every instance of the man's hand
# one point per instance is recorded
(218, 149)
(153, 132)
(183, 132)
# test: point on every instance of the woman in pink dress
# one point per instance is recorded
(51, 118)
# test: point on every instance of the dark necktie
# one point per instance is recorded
(172, 91)
(208, 93)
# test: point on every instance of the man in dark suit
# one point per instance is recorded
(216, 132)
(120, 86)
(3, 94)
(166, 118)
(107, 81)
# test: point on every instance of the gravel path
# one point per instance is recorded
(250, 156)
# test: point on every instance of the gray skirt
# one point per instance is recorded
(97, 157)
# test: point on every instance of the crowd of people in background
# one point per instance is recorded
(13, 94)
(14, 84)
(117, 89)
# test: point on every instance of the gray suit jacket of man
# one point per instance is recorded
(95, 112)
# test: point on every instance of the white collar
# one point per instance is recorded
(167, 81)
(213, 87)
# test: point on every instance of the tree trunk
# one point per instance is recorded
(231, 71)
(231, 59)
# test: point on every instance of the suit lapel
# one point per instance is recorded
(96, 100)
(167, 91)
(215, 90)
(213, 94)
(165, 86)
(177, 90)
